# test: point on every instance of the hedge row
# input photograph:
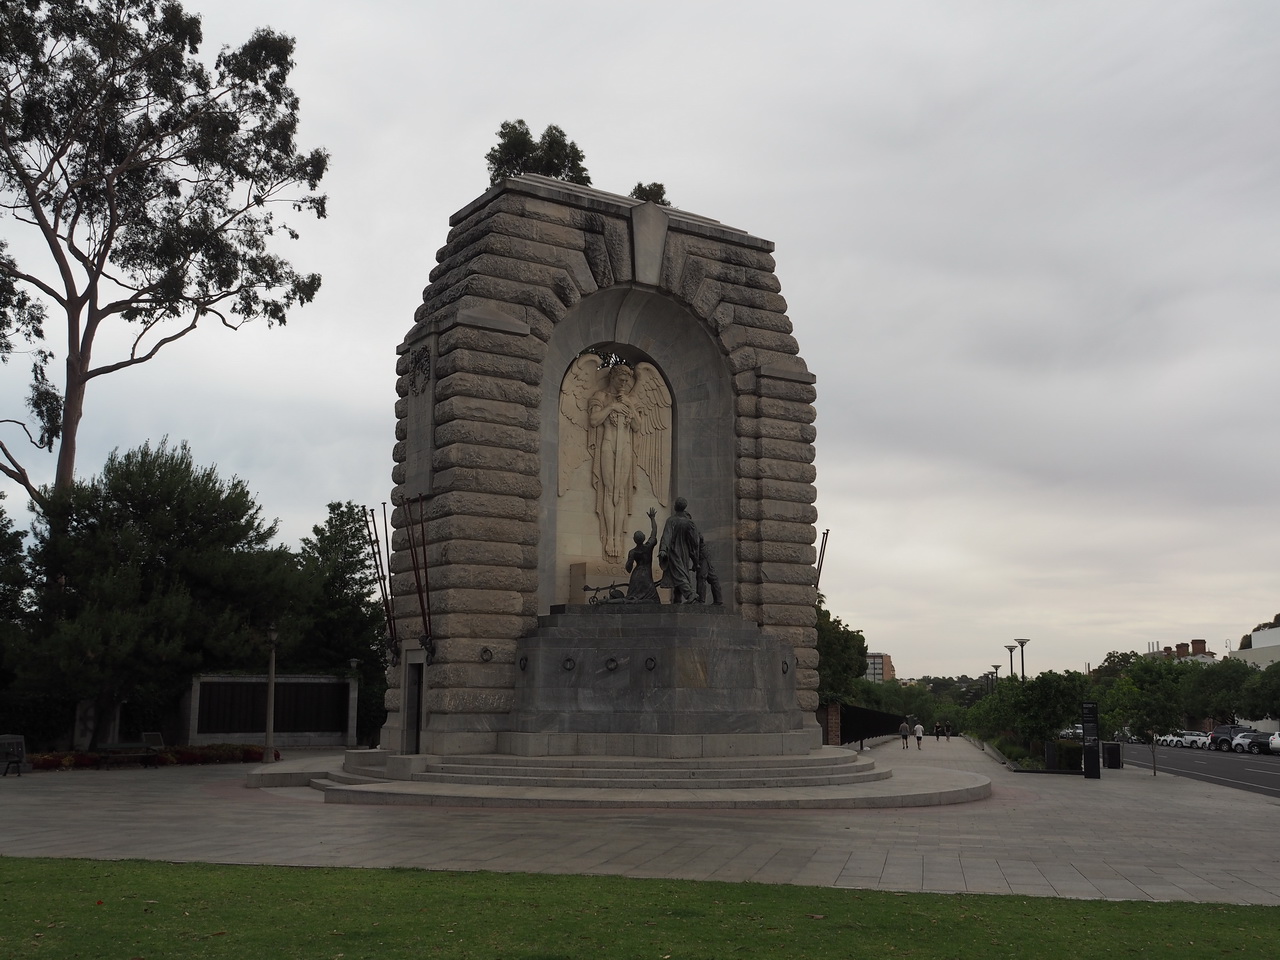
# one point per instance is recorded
(183, 756)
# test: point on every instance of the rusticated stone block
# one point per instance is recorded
(789, 615)
(775, 429)
(469, 455)
(776, 470)
(488, 481)
(491, 341)
(465, 503)
(484, 578)
(806, 679)
(466, 699)
(751, 382)
(476, 433)
(798, 593)
(775, 409)
(764, 319)
(475, 528)
(737, 337)
(757, 552)
(806, 658)
(488, 365)
(752, 297)
(787, 573)
(807, 700)
(799, 638)
(483, 553)
(464, 675)
(472, 650)
(497, 289)
(391, 699)
(777, 510)
(485, 387)
(764, 447)
(453, 624)
(481, 410)
(769, 489)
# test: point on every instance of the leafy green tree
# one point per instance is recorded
(152, 182)
(1146, 700)
(1216, 690)
(652, 192)
(551, 155)
(842, 657)
(162, 569)
(1115, 664)
(346, 620)
(1046, 703)
(1261, 695)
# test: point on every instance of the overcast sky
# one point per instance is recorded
(1031, 252)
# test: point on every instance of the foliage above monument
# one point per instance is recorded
(652, 192)
(551, 155)
(152, 181)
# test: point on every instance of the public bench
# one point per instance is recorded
(13, 754)
(146, 753)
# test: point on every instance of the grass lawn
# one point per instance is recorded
(137, 909)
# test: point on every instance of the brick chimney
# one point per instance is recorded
(1183, 650)
(1198, 647)
(1168, 652)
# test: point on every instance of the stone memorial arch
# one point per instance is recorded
(579, 358)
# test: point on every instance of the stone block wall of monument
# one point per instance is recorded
(534, 272)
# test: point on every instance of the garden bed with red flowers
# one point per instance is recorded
(169, 756)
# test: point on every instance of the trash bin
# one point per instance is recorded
(1112, 758)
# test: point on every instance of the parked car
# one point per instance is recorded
(1220, 738)
(1274, 743)
(1251, 741)
(1197, 739)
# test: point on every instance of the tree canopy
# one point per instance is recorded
(551, 155)
(163, 568)
(652, 192)
(154, 183)
(842, 657)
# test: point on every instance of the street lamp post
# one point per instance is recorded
(1022, 644)
(1010, 647)
(269, 740)
(995, 672)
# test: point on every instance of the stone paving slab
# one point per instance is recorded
(1124, 837)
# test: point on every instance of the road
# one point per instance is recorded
(1245, 771)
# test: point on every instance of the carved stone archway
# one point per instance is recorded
(534, 272)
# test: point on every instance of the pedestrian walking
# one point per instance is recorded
(905, 731)
(946, 729)
(937, 730)
(919, 735)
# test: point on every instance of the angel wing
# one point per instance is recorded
(584, 378)
(652, 401)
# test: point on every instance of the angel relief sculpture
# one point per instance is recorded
(619, 417)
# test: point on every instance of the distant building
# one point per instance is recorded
(879, 667)
(1196, 650)
(1263, 651)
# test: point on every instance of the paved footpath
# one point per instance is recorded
(1128, 836)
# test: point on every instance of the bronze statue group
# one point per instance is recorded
(682, 554)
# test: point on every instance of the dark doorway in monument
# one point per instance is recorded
(668, 422)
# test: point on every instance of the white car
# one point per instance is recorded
(1190, 738)
(1274, 743)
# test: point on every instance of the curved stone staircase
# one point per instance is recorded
(827, 777)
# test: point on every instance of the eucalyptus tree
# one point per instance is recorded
(152, 189)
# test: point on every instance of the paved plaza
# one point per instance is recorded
(1128, 836)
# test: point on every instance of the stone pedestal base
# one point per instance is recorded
(652, 680)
